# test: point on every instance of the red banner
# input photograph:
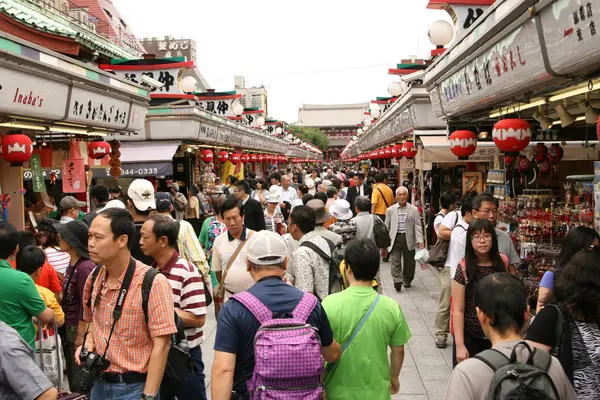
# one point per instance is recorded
(73, 176)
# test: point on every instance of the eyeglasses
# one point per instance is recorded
(493, 212)
(482, 238)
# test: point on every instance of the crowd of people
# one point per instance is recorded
(292, 268)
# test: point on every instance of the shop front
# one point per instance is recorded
(51, 108)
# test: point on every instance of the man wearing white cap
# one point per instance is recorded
(266, 259)
(141, 203)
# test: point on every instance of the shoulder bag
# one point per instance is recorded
(219, 291)
(383, 197)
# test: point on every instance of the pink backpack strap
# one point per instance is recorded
(504, 260)
(255, 306)
(305, 307)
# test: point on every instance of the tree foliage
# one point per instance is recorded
(311, 135)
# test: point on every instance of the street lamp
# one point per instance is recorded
(367, 122)
(440, 33)
(278, 130)
(260, 121)
(237, 109)
(359, 131)
(375, 113)
(395, 89)
(189, 84)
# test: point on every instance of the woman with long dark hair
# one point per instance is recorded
(568, 326)
(261, 191)
(578, 238)
(194, 214)
(481, 259)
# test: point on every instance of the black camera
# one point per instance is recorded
(91, 366)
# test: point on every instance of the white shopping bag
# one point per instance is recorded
(48, 355)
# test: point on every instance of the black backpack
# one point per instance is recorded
(381, 233)
(519, 381)
(336, 282)
(179, 357)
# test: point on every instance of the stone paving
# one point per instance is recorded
(426, 368)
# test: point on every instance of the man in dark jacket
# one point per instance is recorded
(254, 217)
(360, 188)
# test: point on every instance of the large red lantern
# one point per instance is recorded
(16, 149)
(388, 152)
(261, 158)
(98, 149)
(555, 153)
(245, 158)
(234, 158)
(540, 152)
(463, 143)
(207, 156)
(397, 151)
(511, 135)
(222, 156)
(253, 158)
(409, 150)
(381, 154)
(523, 164)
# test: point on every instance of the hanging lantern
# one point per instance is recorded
(245, 158)
(261, 157)
(540, 152)
(98, 149)
(222, 156)
(388, 152)
(598, 128)
(555, 153)
(372, 155)
(253, 158)
(409, 150)
(381, 154)
(207, 156)
(234, 158)
(397, 151)
(523, 164)
(544, 167)
(508, 161)
(16, 149)
(463, 143)
(511, 135)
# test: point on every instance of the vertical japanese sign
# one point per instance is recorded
(73, 179)
(37, 174)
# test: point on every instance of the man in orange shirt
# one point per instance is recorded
(382, 196)
(47, 276)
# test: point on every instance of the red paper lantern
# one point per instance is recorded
(234, 158)
(261, 158)
(508, 161)
(207, 156)
(388, 152)
(463, 143)
(397, 151)
(511, 135)
(409, 150)
(98, 149)
(555, 153)
(245, 158)
(253, 158)
(16, 149)
(523, 164)
(544, 167)
(381, 154)
(540, 152)
(222, 156)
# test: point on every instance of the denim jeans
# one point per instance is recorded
(117, 391)
(193, 388)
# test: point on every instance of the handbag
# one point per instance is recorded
(219, 292)
(48, 354)
(381, 233)
(383, 197)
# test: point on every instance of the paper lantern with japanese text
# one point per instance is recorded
(16, 149)
(540, 152)
(253, 158)
(397, 151)
(511, 135)
(409, 150)
(245, 158)
(463, 143)
(387, 152)
(222, 156)
(555, 153)
(544, 167)
(381, 154)
(207, 156)
(98, 149)
(261, 158)
(234, 158)
(523, 164)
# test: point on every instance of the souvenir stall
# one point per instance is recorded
(536, 92)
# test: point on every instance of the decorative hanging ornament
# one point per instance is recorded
(463, 143)
(261, 158)
(511, 135)
(380, 154)
(396, 151)
(544, 167)
(245, 158)
(207, 156)
(409, 150)
(234, 158)
(508, 161)
(540, 152)
(253, 158)
(98, 149)
(523, 164)
(387, 152)
(16, 149)
(222, 156)
(555, 153)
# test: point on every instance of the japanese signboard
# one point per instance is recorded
(73, 177)
(28, 174)
(26, 94)
(37, 174)
(208, 132)
(169, 77)
(250, 119)
(169, 47)
(219, 107)
(95, 109)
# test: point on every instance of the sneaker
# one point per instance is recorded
(398, 286)
(440, 343)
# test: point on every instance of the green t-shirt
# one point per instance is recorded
(19, 301)
(363, 370)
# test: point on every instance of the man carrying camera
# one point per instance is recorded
(124, 354)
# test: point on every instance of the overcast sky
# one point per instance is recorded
(307, 51)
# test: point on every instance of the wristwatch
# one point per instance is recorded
(148, 397)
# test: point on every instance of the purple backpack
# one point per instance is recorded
(287, 352)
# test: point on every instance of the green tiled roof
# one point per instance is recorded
(26, 13)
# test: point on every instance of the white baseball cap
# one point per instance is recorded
(113, 204)
(141, 192)
(266, 248)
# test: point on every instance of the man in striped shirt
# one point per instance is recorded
(159, 240)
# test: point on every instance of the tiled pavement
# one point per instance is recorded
(426, 368)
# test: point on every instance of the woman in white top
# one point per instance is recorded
(48, 239)
(260, 192)
(274, 220)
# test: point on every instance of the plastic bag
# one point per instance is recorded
(421, 256)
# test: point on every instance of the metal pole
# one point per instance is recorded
(421, 179)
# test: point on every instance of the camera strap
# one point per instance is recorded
(118, 311)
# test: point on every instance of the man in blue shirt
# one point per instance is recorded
(266, 259)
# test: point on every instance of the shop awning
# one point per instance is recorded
(148, 158)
